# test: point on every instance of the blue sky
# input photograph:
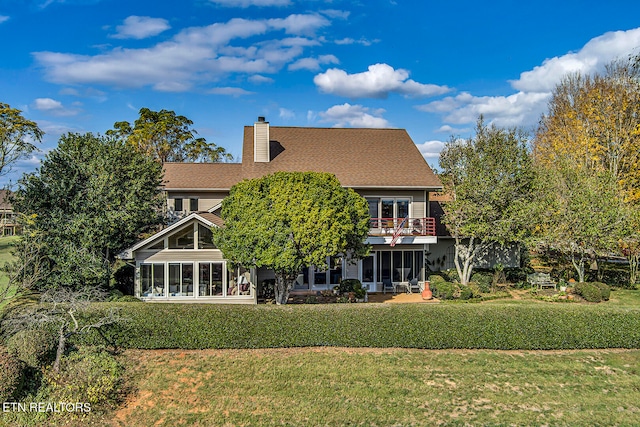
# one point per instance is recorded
(430, 67)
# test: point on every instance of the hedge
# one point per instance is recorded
(512, 326)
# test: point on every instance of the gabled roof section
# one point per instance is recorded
(206, 218)
(201, 176)
(359, 158)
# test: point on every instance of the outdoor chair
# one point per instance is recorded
(388, 284)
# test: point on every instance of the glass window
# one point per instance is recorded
(387, 208)
(239, 281)
(151, 280)
(210, 283)
(180, 279)
(397, 266)
(177, 205)
(174, 279)
(182, 239)
(408, 265)
(384, 266)
(187, 280)
(403, 209)
(419, 265)
(159, 245)
(193, 205)
(367, 269)
(205, 237)
(335, 269)
(373, 207)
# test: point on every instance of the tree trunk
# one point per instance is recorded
(579, 266)
(633, 268)
(283, 286)
(62, 339)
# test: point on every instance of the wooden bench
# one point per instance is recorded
(541, 280)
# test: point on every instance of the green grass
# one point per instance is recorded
(372, 387)
(6, 244)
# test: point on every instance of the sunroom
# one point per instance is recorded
(181, 263)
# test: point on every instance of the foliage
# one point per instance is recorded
(352, 285)
(443, 290)
(466, 292)
(290, 220)
(498, 325)
(167, 137)
(490, 180)
(90, 199)
(35, 347)
(11, 370)
(483, 280)
(89, 376)
(17, 137)
(589, 291)
(605, 290)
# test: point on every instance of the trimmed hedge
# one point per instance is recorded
(508, 326)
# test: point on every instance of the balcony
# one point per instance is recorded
(410, 227)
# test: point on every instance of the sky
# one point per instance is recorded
(430, 67)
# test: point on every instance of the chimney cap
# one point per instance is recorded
(261, 119)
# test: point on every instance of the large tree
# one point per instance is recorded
(489, 178)
(17, 137)
(168, 137)
(91, 198)
(290, 220)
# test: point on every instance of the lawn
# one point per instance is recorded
(381, 387)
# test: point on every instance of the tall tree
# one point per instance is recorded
(290, 220)
(168, 137)
(490, 180)
(90, 199)
(17, 137)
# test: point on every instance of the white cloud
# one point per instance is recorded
(286, 114)
(378, 82)
(534, 87)
(591, 58)
(449, 129)
(247, 3)
(362, 41)
(230, 91)
(355, 116)
(3, 18)
(53, 107)
(195, 55)
(141, 27)
(313, 64)
(335, 13)
(258, 79)
(431, 149)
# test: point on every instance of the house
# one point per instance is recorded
(8, 218)
(382, 165)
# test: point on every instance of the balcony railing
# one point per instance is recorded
(411, 227)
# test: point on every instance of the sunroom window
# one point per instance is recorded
(182, 239)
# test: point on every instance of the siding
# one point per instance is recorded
(179, 255)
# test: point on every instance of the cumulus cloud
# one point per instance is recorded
(53, 107)
(431, 149)
(3, 18)
(195, 55)
(247, 3)
(141, 27)
(591, 58)
(347, 115)
(378, 82)
(258, 79)
(313, 64)
(534, 87)
(230, 91)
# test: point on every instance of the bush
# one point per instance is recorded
(491, 326)
(465, 293)
(35, 347)
(443, 290)
(88, 375)
(11, 372)
(483, 280)
(451, 275)
(129, 298)
(352, 285)
(588, 291)
(434, 279)
(605, 290)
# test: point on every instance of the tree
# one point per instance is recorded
(594, 122)
(490, 180)
(167, 137)
(580, 214)
(290, 220)
(90, 199)
(17, 137)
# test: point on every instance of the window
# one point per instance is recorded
(205, 237)
(210, 275)
(177, 205)
(193, 205)
(182, 239)
(152, 280)
(180, 279)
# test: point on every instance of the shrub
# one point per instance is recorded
(88, 375)
(114, 295)
(444, 290)
(11, 372)
(588, 291)
(451, 275)
(434, 279)
(352, 285)
(465, 293)
(35, 347)
(605, 290)
(129, 298)
(483, 280)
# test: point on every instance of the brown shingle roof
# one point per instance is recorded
(203, 176)
(359, 158)
(212, 218)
